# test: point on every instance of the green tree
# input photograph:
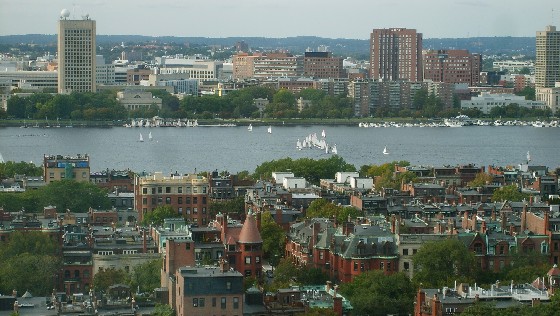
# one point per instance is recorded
(163, 310)
(440, 263)
(160, 213)
(274, 238)
(233, 206)
(509, 193)
(374, 293)
(481, 179)
(104, 279)
(10, 168)
(147, 276)
(25, 252)
(325, 209)
(77, 196)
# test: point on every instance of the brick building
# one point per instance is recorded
(452, 66)
(396, 54)
(186, 194)
(58, 167)
(322, 65)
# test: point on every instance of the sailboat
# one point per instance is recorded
(250, 128)
(141, 139)
(323, 134)
(528, 157)
(270, 129)
(150, 136)
(385, 151)
(298, 144)
(334, 151)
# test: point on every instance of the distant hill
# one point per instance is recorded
(298, 44)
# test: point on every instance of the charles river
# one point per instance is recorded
(203, 148)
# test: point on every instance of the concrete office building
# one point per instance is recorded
(76, 54)
(547, 65)
(396, 54)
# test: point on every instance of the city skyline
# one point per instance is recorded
(354, 19)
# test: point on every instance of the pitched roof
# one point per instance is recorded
(249, 232)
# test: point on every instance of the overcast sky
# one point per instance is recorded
(286, 18)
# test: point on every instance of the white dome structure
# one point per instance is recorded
(65, 13)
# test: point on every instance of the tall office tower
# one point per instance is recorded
(452, 66)
(547, 65)
(396, 54)
(76, 54)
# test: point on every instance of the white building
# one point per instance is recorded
(550, 96)
(294, 183)
(279, 176)
(513, 66)
(135, 100)
(344, 177)
(29, 80)
(105, 73)
(361, 183)
(486, 101)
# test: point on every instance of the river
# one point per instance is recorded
(235, 148)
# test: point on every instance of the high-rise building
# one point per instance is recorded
(452, 66)
(396, 54)
(322, 65)
(547, 65)
(76, 54)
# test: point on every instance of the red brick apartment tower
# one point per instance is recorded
(396, 54)
(250, 246)
(452, 66)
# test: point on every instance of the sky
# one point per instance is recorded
(352, 19)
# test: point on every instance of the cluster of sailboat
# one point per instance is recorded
(312, 141)
(464, 121)
(160, 122)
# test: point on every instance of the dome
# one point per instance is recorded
(64, 13)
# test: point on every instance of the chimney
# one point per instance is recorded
(348, 228)
(278, 216)
(328, 287)
(483, 227)
(258, 219)
(524, 218)
(144, 242)
(546, 222)
(465, 223)
(393, 220)
(493, 216)
(436, 306)
(337, 305)
(224, 266)
(504, 221)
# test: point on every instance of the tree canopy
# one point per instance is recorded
(27, 252)
(481, 179)
(10, 168)
(311, 169)
(274, 238)
(160, 213)
(509, 193)
(440, 263)
(325, 209)
(374, 293)
(146, 276)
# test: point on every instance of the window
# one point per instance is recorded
(228, 285)
(188, 246)
(195, 200)
(405, 252)
(223, 303)
(257, 259)
(188, 200)
(167, 189)
(180, 210)
(159, 190)
(247, 273)
(388, 266)
(406, 266)
(201, 302)
(195, 302)
(321, 255)
(195, 210)
(86, 274)
(144, 201)
(144, 190)
(180, 200)
(382, 266)
(204, 200)
(213, 302)
(478, 248)
(248, 260)
(179, 189)
(168, 200)
(153, 190)
(355, 266)
(235, 302)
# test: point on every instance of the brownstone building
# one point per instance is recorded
(187, 194)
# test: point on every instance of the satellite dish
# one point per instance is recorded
(64, 13)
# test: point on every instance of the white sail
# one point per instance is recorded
(323, 134)
(528, 157)
(334, 151)
(141, 139)
(385, 151)
(250, 128)
(270, 129)
(150, 136)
